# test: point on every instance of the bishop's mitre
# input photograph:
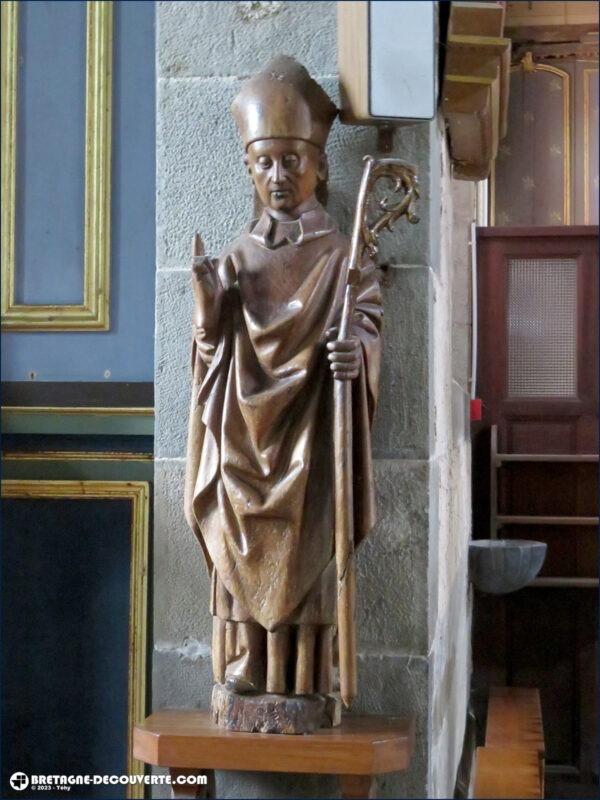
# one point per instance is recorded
(283, 101)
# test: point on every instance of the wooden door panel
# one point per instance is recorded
(496, 248)
(530, 435)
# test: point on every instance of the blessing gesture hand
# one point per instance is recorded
(206, 283)
(344, 356)
(207, 286)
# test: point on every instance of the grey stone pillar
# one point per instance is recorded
(413, 605)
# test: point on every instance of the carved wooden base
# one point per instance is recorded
(274, 713)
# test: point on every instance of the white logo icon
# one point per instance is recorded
(19, 781)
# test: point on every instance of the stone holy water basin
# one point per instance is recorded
(499, 566)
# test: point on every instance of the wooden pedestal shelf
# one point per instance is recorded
(188, 742)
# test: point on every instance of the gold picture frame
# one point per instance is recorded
(588, 72)
(93, 313)
(80, 420)
(566, 84)
(125, 411)
(139, 494)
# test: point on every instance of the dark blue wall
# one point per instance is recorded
(50, 181)
(65, 639)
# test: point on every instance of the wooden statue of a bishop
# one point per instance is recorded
(260, 463)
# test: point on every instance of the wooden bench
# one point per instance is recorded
(511, 765)
(189, 743)
(503, 772)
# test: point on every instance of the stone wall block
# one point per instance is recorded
(450, 662)
(173, 372)
(401, 428)
(180, 682)
(463, 213)
(434, 546)
(461, 410)
(237, 38)
(181, 581)
(202, 184)
(392, 561)
(461, 354)
(397, 684)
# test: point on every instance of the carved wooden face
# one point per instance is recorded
(285, 171)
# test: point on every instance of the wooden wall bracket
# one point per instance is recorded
(476, 87)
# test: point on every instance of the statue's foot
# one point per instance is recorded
(242, 685)
(245, 675)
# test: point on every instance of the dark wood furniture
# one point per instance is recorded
(498, 521)
(536, 478)
(187, 741)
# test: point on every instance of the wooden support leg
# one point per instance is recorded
(357, 787)
(193, 791)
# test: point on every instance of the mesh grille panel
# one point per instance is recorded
(542, 327)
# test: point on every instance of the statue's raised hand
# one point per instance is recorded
(207, 287)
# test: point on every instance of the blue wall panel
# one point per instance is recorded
(126, 350)
(50, 153)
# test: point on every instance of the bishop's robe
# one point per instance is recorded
(259, 483)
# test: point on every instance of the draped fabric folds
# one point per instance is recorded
(259, 483)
